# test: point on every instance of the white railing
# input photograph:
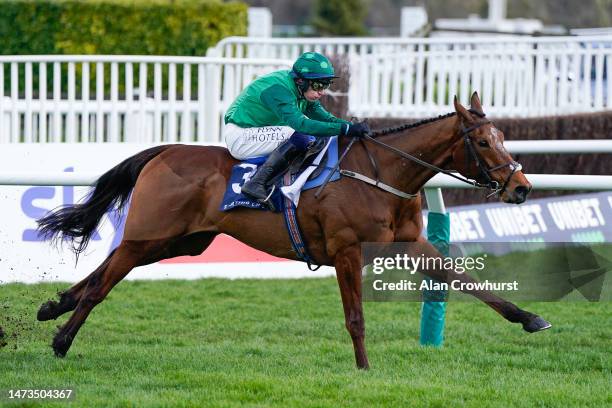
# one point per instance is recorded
(146, 99)
(539, 181)
(418, 77)
(513, 79)
(182, 99)
(291, 48)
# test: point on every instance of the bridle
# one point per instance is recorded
(484, 172)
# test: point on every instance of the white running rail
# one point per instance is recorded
(539, 181)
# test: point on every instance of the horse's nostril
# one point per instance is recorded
(522, 191)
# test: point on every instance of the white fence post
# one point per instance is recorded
(85, 129)
(212, 102)
(4, 130)
(99, 102)
(413, 19)
(260, 22)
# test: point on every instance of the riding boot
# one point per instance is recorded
(277, 163)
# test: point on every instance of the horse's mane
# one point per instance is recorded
(405, 126)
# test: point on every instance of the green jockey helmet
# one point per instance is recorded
(312, 65)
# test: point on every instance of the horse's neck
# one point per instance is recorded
(431, 142)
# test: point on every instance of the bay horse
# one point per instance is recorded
(176, 191)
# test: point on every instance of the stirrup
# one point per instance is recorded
(268, 200)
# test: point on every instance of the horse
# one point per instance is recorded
(176, 191)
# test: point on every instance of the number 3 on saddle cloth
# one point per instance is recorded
(326, 156)
(288, 187)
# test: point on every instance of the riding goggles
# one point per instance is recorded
(320, 85)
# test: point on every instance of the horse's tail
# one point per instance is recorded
(77, 223)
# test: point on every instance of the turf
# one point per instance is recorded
(283, 343)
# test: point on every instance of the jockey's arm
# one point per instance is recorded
(284, 105)
(316, 111)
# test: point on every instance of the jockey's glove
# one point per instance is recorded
(359, 129)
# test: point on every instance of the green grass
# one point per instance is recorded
(283, 343)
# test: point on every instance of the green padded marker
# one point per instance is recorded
(433, 311)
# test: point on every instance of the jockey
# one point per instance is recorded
(280, 113)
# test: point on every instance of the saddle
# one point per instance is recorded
(242, 171)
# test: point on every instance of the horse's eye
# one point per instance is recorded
(483, 143)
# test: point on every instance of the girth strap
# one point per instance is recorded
(293, 228)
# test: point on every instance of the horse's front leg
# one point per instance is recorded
(348, 273)
(531, 322)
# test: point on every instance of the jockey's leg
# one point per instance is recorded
(277, 163)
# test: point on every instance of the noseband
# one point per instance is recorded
(484, 171)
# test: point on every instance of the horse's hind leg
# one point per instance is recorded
(69, 298)
(127, 256)
(193, 244)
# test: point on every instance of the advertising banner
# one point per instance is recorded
(575, 218)
(24, 257)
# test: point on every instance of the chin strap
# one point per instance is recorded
(301, 83)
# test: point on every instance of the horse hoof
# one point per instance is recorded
(46, 311)
(536, 324)
(60, 345)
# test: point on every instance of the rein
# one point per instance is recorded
(484, 170)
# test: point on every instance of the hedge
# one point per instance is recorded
(179, 27)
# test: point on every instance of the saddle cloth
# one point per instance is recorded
(243, 171)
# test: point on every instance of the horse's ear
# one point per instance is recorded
(461, 111)
(475, 103)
